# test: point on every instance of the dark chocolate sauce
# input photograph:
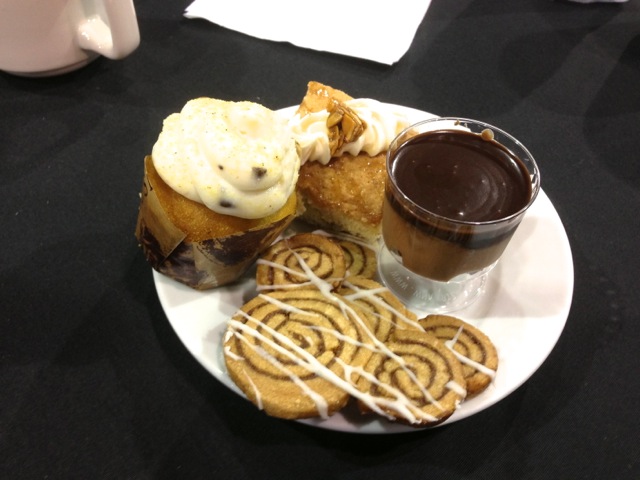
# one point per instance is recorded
(461, 176)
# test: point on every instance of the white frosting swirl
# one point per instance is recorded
(383, 124)
(237, 158)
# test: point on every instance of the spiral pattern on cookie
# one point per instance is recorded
(420, 384)
(360, 259)
(300, 259)
(385, 311)
(286, 350)
(472, 347)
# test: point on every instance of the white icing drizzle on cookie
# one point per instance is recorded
(321, 404)
(456, 387)
(303, 358)
(466, 360)
(305, 274)
(256, 392)
(345, 338)
(286, 306)
(291, 271)
(227, 351)
(400, 404)
(372, 295)
(345, 236)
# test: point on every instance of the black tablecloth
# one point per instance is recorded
(96, 384)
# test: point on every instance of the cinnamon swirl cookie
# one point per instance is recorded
(360, 259)
(287, 351)
(385, 312)
(416, 380)
(471, 346)
(301, 260)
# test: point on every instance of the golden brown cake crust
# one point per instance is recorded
(345, 195)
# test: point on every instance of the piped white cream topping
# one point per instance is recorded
(237, 158)
(382, 121)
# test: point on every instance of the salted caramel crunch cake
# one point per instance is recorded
(343, 145)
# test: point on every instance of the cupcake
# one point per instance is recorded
(219, 188)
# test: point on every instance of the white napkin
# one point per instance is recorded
(378, 31)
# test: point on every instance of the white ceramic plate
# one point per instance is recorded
(523, 311)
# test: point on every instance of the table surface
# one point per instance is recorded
(95, 383)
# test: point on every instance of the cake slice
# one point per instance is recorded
(341, 181)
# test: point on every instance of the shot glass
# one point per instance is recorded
(456, 191)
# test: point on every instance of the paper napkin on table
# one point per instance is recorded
(378, 31)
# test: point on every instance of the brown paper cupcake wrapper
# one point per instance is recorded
(204, 264)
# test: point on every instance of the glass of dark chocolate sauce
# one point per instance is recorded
(456, 191)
